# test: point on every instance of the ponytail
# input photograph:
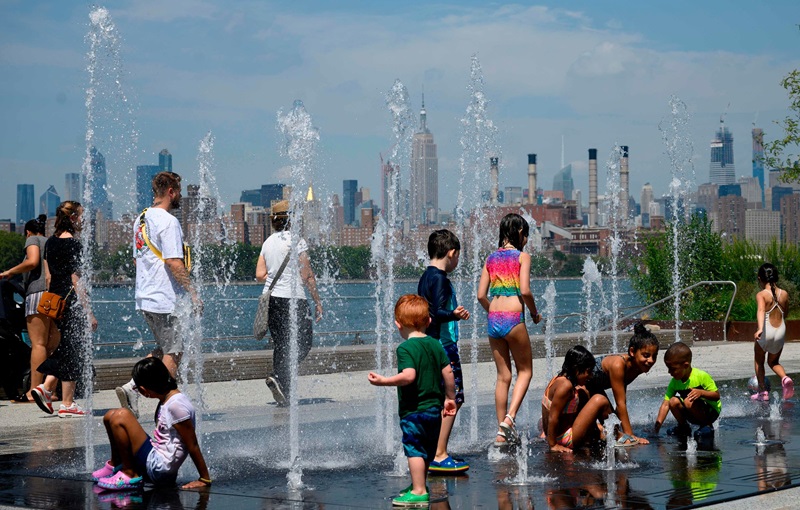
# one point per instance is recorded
(768, 274)
(37, 225)
(67, 217)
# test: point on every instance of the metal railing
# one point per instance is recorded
(673, 296)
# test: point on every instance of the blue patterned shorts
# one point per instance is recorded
(421, 433)
(455, 364)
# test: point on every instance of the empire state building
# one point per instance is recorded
(424, 174)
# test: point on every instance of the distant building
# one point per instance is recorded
(26, 203)
(706, 197)
(778, 192)
(49, 202)
(251, 196)
(389, 174)
(512, 195)
(762, 226)
(646, 198)
(144, 185)
(424, 192)
(349, 200)
(722, 169)
(165, 160)
(758, 159)
(73, 186)
(790, 219)
(563, 182)
(728, 190)
(730, 217)
(751, 191)
(98, 186)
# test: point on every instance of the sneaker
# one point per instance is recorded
(761, 396)
(408, 489)
(704, 432)
(788, 387)
(448, 465)
(411, 500)
(106, 470)
(71, 411)
(128, 398)
(120, 481)
(275, 387)
(43, 398)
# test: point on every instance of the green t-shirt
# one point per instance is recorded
(697, 379)
(427, 357)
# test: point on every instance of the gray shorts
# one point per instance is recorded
(165, 328)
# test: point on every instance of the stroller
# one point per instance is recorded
(15, 354)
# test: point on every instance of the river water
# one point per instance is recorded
(349, 315)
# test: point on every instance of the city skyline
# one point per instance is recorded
(596, 75)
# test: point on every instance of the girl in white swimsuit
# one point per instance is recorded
(772, 304)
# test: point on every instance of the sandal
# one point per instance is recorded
(510, 430)
(23, 399)
(501, 444)
(626, 440)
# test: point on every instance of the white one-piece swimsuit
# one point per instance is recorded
(772, 337)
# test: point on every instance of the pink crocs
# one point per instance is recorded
(120, 481)
(107, 470)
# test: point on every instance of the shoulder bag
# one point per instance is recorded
(187, 251)
(261, 322)
(53, 305)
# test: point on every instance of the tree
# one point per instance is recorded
(781, 153)
(12, 249)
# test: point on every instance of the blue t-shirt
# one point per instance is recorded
(436, 288)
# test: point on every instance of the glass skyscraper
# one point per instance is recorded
(144, 185)
(349, 190)
(26, 203)
(99, 184)
(49, 202)
(722, 170)
(563, 182)
(758, 158)
(165, 160)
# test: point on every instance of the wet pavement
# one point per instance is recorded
(345, 463)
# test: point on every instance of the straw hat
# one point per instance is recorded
(280, 208)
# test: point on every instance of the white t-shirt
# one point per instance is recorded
(156, 288)
(168, 451)
(274, 250)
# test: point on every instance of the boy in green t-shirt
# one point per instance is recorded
(422, 367)
(692, 395)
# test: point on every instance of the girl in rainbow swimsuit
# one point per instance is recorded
(505, 280)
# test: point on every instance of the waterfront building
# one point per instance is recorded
(722, 169)
(49, 202)
(762, 226)
(424, 188)
(26, 203)
(349, 201)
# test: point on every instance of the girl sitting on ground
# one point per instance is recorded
(569, 414)
(617, 371)
(135, 457)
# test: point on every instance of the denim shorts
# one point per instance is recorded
(421, 433)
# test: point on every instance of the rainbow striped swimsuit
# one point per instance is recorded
(503, 268)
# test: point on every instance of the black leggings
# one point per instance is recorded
(280, 331)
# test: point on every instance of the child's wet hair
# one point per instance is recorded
(513, 229)
(442, 241)
(642, 337)
(768, 274)
(153, 375)
(578, 359)
(412, 311)
(679, 352)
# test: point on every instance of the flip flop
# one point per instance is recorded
(626, 440)
(788, 387)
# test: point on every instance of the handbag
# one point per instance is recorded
(53, 305)
(261, 322)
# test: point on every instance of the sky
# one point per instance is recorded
(593, 73)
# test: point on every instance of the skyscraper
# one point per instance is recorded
(722, 169)
(349, 191)
(144, 185)
(73, 186)
(758, 158)
(26, 205)
(99, 184)
(49, 202)
(165, 160)
(424, 174)
(563, 182)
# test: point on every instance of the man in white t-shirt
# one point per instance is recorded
(162, 277)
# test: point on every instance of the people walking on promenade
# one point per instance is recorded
(135, 456)
(617, 371)
(505, 280)
(288, 287)
(62, 264)
(42, 331)
(444, 249)
(162, 278)
(773, 305)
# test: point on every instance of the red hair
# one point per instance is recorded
(411, 311)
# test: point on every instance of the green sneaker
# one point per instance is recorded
(409, 499)
(408, 489)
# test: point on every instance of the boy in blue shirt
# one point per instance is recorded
(444, 249)
(425, 393)
(692, 395)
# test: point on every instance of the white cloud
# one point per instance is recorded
(168, 11)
